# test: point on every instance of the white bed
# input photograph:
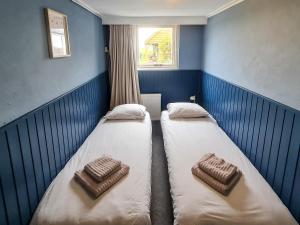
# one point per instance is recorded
(252, 201)
(127, 202)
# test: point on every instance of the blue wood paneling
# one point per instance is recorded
(3, 213)
(266, 131)
(174, 85)
(35, 147)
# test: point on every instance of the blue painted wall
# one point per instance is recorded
(266, 131)
(174, 85)
(255, 44)
(190, 47)
(35, 147)
(28, 77)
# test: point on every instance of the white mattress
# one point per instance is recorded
(252, 201)
(126, 203)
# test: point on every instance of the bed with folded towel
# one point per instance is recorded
(217, 173)
(108, 180)
(212, 181)
(100, 175)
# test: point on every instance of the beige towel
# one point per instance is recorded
(96, 189)
(217, 168)
(215, 184)
(101, 168)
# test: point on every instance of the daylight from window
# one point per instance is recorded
(155, 46)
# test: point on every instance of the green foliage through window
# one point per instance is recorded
(155, 46)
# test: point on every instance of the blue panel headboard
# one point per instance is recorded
(35, 147)
(266, 131)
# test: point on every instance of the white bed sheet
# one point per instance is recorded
(127, 202)
(252, 201)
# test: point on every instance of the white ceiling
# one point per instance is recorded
(156, 8)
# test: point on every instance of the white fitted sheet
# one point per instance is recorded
(252, 201)
(127, 202)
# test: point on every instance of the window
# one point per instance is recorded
(157, 47)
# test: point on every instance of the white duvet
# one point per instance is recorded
(252, 201)
(127, 202)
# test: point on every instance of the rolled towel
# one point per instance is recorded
(214, 183)
(96, 189)
(101, 168)
(217, 168)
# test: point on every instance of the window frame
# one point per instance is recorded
(175, 52)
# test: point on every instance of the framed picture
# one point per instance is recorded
(58, 34)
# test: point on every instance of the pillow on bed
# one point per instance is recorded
(127, 112)
(186, 110)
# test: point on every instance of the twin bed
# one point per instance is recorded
(127, 202)
(252, 201)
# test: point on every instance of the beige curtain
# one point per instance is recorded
(123, 69)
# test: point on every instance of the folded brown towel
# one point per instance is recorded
(217, 168)
(101, 168)
(215, 184)
(96, 189)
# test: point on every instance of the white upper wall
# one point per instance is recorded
(256, 45)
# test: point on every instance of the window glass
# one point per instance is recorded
(157, 47)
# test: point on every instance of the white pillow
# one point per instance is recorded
(186, 110)
(127, 112)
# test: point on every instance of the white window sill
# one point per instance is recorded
(157, 68)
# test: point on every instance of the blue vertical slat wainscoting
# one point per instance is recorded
(35, 147)
(266, 131)
(174, 85)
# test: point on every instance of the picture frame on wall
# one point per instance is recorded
(58, 34)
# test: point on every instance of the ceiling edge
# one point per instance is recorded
(167, 20)
(88, 7)
(155, 20)
(224, 7)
